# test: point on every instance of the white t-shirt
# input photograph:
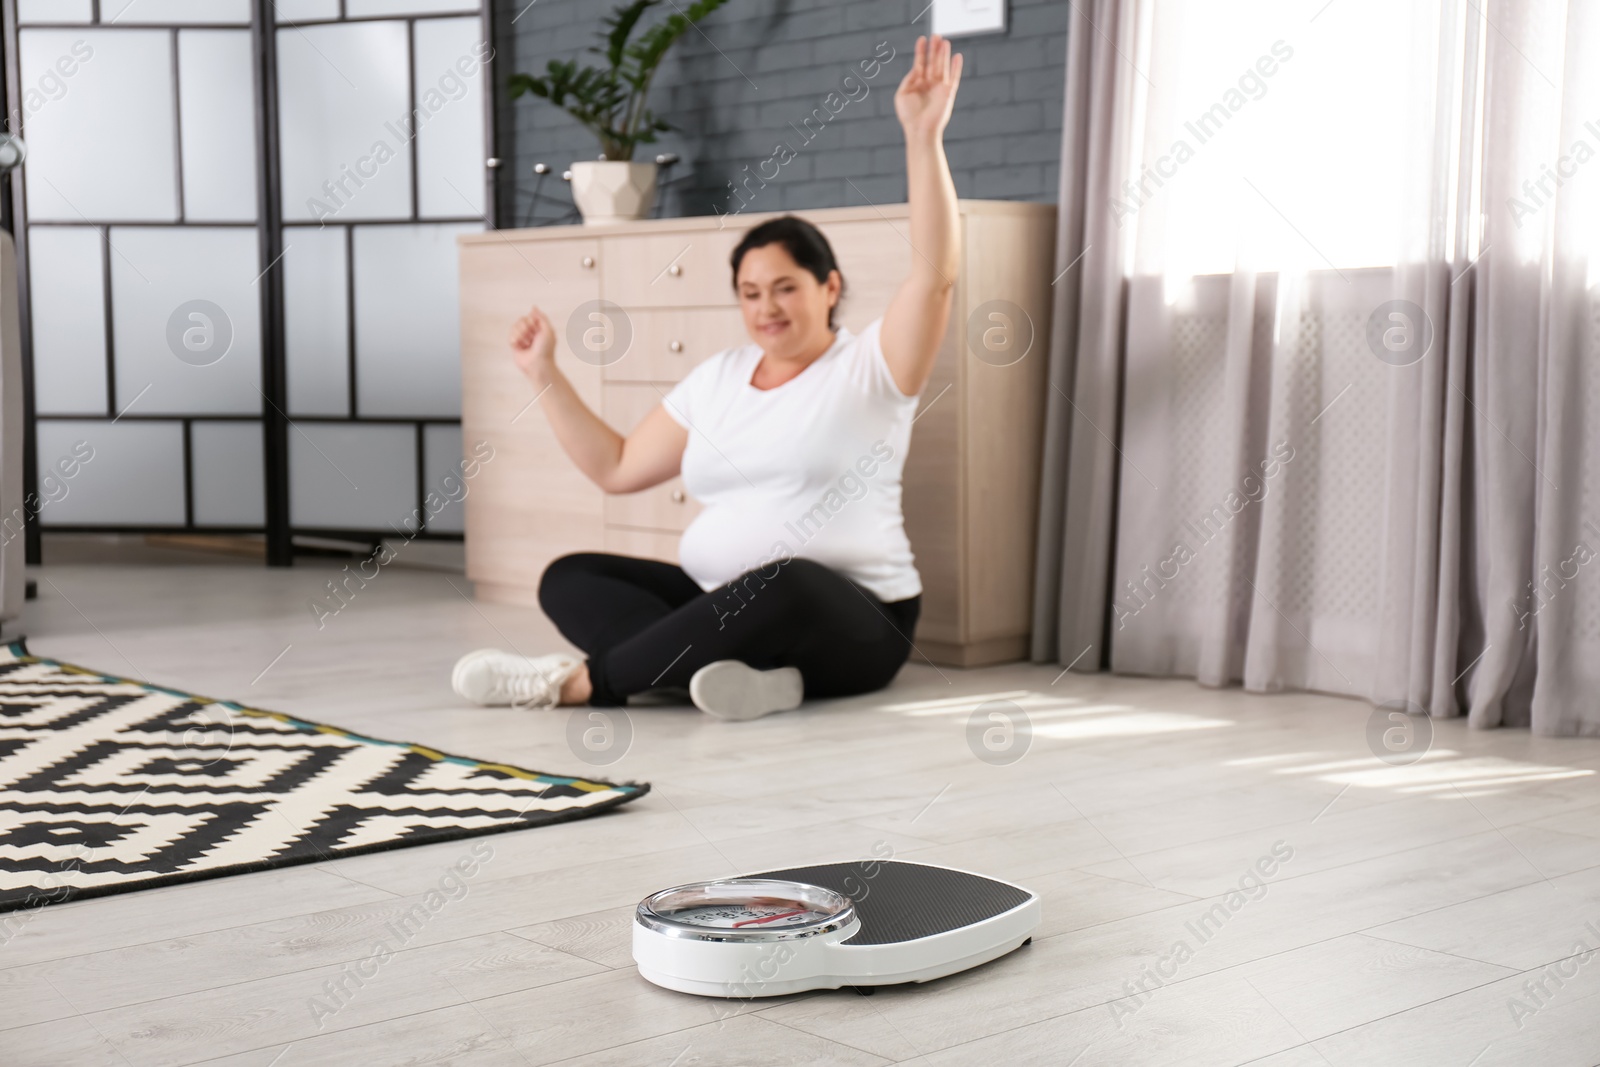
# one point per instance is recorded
(809, 469)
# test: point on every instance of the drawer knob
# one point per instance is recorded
(676, 346)
(588, 261)
(674, 270)
(678, 497)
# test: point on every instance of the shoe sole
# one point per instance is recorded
(734, 692)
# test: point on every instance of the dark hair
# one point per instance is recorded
(804, 243)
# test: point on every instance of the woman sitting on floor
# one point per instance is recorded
(797, 578)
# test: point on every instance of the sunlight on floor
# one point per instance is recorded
(1442, 772)
(957, 705)
(1083, 720)
(1146, 722)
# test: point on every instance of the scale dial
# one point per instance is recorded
(746, 909)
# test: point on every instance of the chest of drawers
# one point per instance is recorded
(971, 479)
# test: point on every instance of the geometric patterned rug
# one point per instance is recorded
(109, 785)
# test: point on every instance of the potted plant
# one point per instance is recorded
(610, 101)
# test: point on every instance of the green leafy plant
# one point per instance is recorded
(610, 100)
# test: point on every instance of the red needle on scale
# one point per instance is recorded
(768, 918)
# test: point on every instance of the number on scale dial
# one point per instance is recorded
(744, 916)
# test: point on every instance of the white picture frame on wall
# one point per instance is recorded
(965, 18)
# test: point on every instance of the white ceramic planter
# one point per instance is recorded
(613, 190)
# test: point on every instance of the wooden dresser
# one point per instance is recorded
(971, 478)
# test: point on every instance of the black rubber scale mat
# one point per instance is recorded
(898, 901)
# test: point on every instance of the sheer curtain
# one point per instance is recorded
(1349, 410)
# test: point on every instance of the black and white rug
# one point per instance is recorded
(109, 785)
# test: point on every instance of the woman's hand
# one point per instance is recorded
(533, 344)
(918, 315)
(928, 91)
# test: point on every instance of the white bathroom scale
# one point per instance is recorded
(862, 924)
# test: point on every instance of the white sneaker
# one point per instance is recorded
(492, 677)
(731, 690)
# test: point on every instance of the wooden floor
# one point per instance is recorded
(1417, 908)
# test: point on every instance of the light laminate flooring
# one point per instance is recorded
(1439, 913)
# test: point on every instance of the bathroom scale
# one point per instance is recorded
(861, 923)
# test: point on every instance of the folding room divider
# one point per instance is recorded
(236, 230)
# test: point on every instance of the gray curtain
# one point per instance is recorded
(1078, 486)
(1242, 485)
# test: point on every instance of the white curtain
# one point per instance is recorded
(1355, 416)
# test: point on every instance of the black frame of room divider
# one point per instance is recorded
(279, 533)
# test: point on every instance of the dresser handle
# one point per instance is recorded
(674, 270)
(677, 496)
(676, 346)
(588, 261)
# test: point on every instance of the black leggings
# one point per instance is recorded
(646, 624)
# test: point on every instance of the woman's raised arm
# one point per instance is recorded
(917, 316)
(648, 456)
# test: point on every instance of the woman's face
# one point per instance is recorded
(785, 307)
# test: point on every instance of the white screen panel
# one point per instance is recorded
(104, 147)
(346, 476)
(54, 10)
(67, 297)
(344, 95)
(218, 124)
(212, 12)
(186, 319)
(304, 10)
(316, 311)
(126, 473)
(445, 484)
(365, 8)
(449, 95)
(408, 336)
(228, 480)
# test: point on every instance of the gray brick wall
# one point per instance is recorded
(754, 75)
